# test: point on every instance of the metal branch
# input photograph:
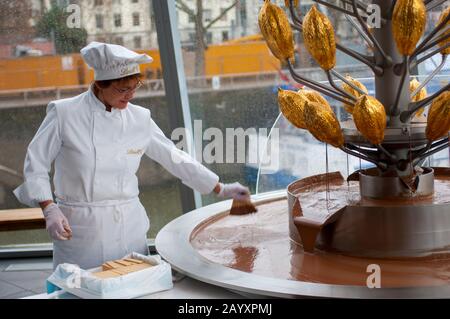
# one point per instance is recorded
(438, 149)
(317, 86)
(387, 60)
(337, 88)
(343, 79)
(360, 31)
(416, 154)
(429, 55)
(430, 36)
(432, 44)
(432, 6)
(391, 157)
(362, 58)
(379, 164)
(368, 152)
(296, 27)
(430, 77)
(294, 15)
(401, 84)
(367, 60)
(415, 106)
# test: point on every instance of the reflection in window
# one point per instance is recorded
(41, 62)
(137, 40)
(136, 20)
(99, 21)
(224, 36)
(119, 40)
(224, 15)
(207, 15)
(117, 20)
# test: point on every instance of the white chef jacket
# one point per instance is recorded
(96, 155)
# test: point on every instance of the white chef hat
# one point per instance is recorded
(111, 61)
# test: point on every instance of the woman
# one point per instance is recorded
(96, 140)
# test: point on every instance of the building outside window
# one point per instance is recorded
(136, 19)
(224, 17)
(118, 40)
(207, 15)
(225, 36)
(137, 41)
(117, 20)
(99, 21)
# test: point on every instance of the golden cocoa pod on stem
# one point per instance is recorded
(347, 88)
(314, 96)
(292, 106)
(318, 34)
(444, 15)
(408, 24)
(323, 124)
(369, 116)
(277, 32)
(438, 123)
(413, 85)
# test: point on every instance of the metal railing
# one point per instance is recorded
(43, 95)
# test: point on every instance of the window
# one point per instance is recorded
(207, 15)
(191, 18)
(209, 37)
(137, 41)
(191, 37)
(134, 1)
(117, 20)
(224, 36)
(99, 21)
(136, 20)
(98, 2)
(19, 119)
(118, 40)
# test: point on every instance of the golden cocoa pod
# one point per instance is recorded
(347, 88)
(323, 124)
(444, 15)
(408, 24)
(318, 34)
(276, 30)
(287, 3)
(314, 96)
(292, 106)
(438, 123)
(369, 116)
(413, 85)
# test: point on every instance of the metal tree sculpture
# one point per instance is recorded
(383, 132)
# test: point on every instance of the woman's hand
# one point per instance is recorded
(56, 223)
(235, 191)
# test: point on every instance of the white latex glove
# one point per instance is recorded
(235, 191)
(56, 223)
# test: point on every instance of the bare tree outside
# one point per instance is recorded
(201, 29)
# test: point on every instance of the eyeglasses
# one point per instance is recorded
(125, 91)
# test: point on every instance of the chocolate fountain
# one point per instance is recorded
(328, 235)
